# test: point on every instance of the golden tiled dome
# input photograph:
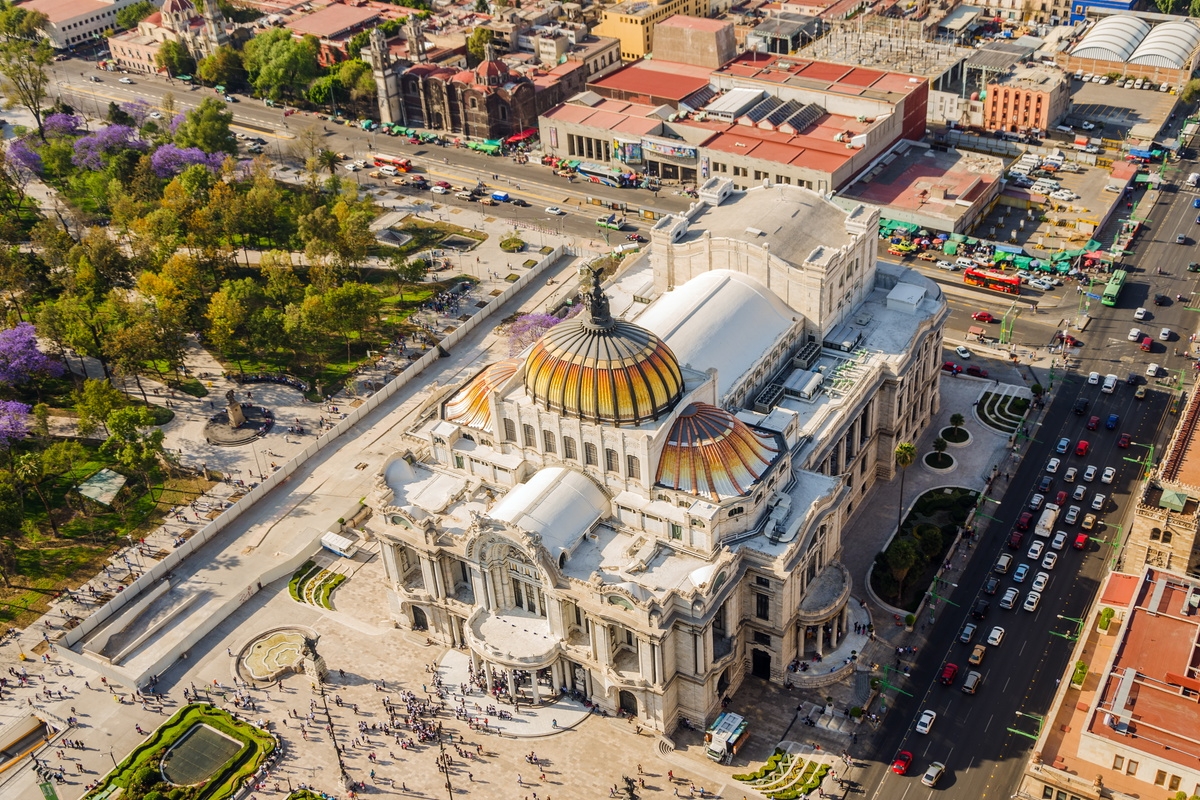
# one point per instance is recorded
(597, 368)
(472, 404)
(712, 453)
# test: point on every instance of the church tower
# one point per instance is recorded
(387, 79)
(214, 28)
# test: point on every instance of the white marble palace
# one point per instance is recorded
(647, 504)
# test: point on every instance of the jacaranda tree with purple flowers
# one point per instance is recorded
(21, 360)
(528, 328)
(60, 125)
(91, 150)
(14, 424)
(169, 160)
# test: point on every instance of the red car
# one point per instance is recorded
(1081, 449)
(951, 367)
(1060, 499)
(978, 372)
(1024, 520)
(902, 762)
(983, 316)
(1080, 541)
(1123, 441)
(948, 673)
(1093, 423)
(1014, 540)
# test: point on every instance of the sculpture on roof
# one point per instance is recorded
(596, 301)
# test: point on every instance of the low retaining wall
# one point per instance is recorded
(208, 532)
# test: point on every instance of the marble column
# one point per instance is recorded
(821, 640)
(533, 685)
(833, 633)
(487, 668)
(512, 684)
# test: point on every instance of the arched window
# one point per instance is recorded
(589, 454)
(510, 430)
(610, 460)
(527, 432)
(569, 448)
(633, 467)
(548, 442)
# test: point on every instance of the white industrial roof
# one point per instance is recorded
(1113, 38)
(1170, 45)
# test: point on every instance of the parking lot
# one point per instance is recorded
(1118, 110)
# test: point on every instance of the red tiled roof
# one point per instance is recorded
(664, 79)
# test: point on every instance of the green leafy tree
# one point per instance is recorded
(130, 16)
(223, 67)
(477, 44)
(939, 446)
(8, 562)
(134, 441)
(931, 541)
(409, 270)
(1165, 6)
(278, 65)
(351, 309)
(901, 557)
(905, 455)
(207, 127)
(29, 469)
(94, 403)
(23, 76)
(175, 59)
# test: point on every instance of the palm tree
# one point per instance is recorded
(906, 454)
(956, 422)
(939, 447)
(328, 160)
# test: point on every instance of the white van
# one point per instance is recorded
(1110, 384)
(390, 171)
(1193, 179)
(966, 263)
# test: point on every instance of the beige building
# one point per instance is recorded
(645, 508)
(700, 42)
(177, 21)
(633, 22)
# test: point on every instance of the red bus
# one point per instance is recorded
(401, 164)
(995, 281)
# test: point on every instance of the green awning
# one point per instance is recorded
(950, 248)
(972, 241)
(958, 237)
(1173, 500)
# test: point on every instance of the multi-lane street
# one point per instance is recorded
(974, 734)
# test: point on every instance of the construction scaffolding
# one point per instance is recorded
(892, 44)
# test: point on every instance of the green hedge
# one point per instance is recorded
(763, 771)
(297, 579)
(140, 779)
(327, 588)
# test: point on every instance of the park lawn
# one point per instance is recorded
(45, 563)
(257, 746)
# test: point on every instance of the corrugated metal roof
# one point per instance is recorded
(1170, 44)
(1113, 38)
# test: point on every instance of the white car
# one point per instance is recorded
(996, 636)
(1035, 551)
(962, 352)
(1152, 371)
(946, 265)
(555, 210)
(1040, 582)
(1164, 335)
(155, 115)
(124, 80)
(1098, 502)
(1044, 285)
(1079, 493)
(1072, 515)
(1135, 335)
(1010, 598)
(1052, 466)
(1109, 474)
(933, 774)
(1060, 539)
(1031, 601)
(1088, 126)
(925, 723)
(1089, 474)
(1050, 560)
(1093, 378)
(352, 167)
(1036, 502)
(1069, 475)
(1139, 314)
(439, 190)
